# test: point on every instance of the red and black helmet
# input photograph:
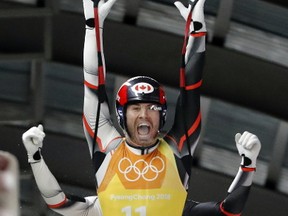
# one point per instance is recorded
(141, 89)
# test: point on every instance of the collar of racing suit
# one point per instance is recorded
(139, 150)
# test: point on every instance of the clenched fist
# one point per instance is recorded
(33, 142)
(249, 146)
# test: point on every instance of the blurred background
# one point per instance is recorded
(245, 88)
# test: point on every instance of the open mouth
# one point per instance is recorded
(143, 129)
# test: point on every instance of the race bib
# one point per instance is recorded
(141, 185)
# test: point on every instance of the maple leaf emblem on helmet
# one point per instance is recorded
(142, 88)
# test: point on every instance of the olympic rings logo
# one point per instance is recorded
(133, 168)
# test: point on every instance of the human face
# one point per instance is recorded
(142, 120)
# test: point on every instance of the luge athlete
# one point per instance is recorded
(142, 173)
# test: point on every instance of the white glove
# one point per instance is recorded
(197, 14)
(33, 142)
(104, 7)
(249, 146)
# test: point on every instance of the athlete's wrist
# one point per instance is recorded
(248, 169)
(35, 157)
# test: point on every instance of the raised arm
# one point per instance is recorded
(184, 134)
(248, 146)
(95, 99)
(186, 128)
(49, 188)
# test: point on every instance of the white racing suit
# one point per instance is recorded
(150, 181)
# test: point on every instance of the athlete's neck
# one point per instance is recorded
(141, 150)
